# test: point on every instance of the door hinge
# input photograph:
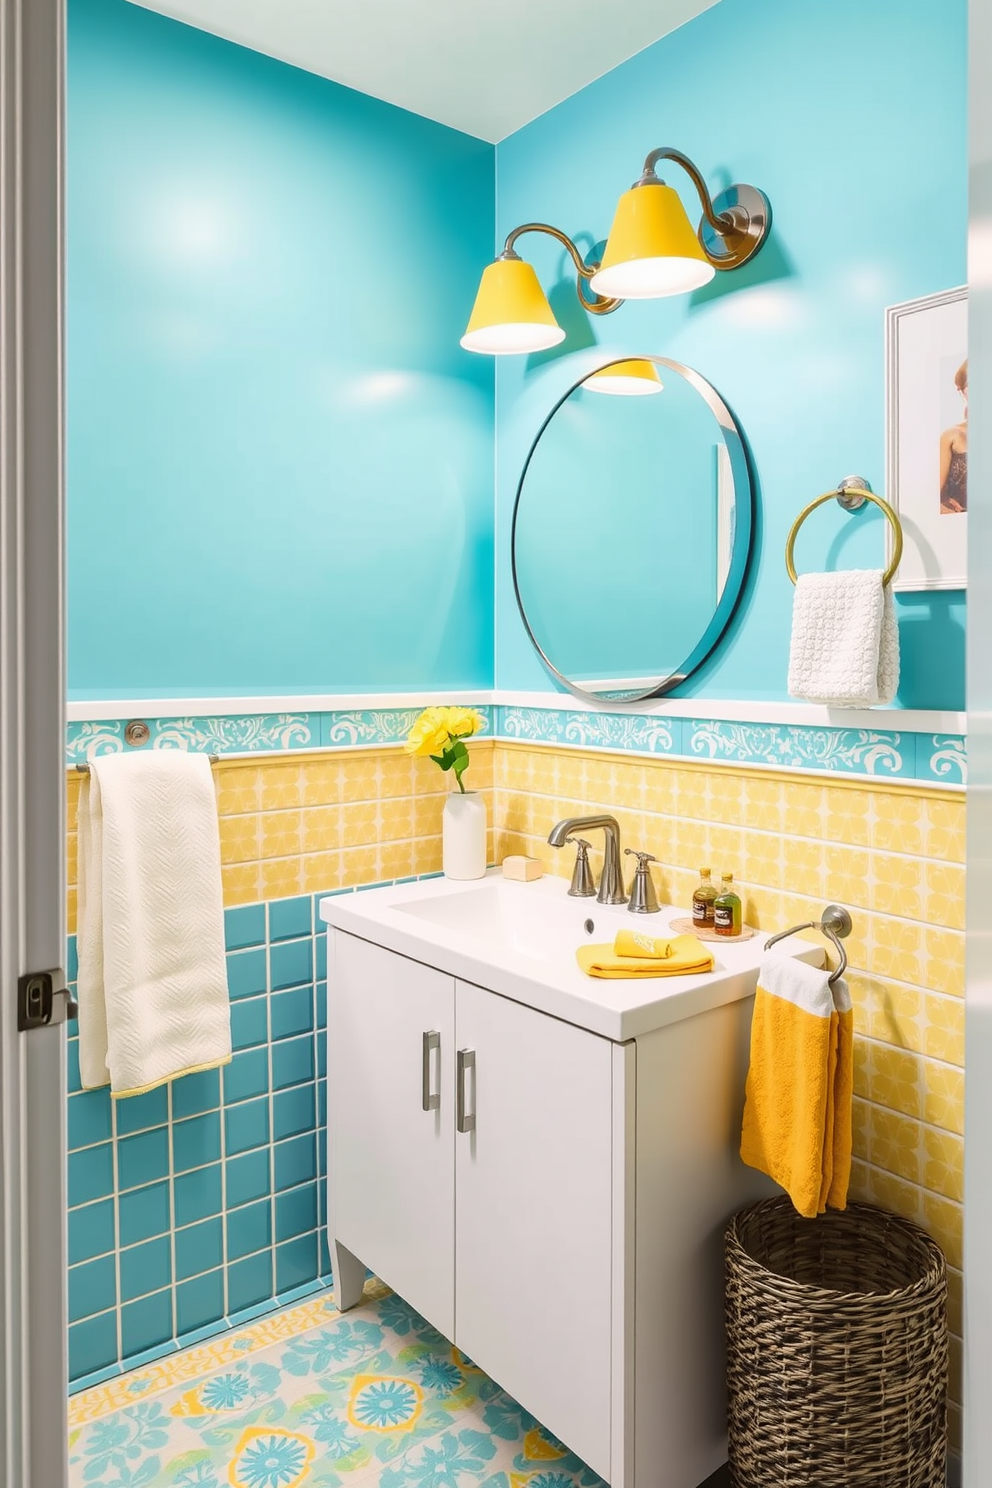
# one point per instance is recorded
(36, 995)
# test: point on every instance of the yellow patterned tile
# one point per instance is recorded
(659, 789)
(955, 1301)
(321, 782)
(282, 834)
(944, 1029)
(628, 790)
(805, 864)
(321, 828)
(896, 949)
(70, 912)
(396, 774)
(71, 858)
(897, 885)
(726, 799)
(945, 830)
(690, 844)
(860, 1127)
(600, 780)
(396, 819)
(943, 1096)
(847, 871)
(238, 790)
(359, 865)
(898, 822)
(570, 775)
(894, 1144)
(321, 871)
(359, 823)
(762, 908)
(945, 897)
(943, 1164)
(944, 961)
(360, 777)
(944, 1219)
(242, 883)
(427, 854)
(803, 815)
(282, 787)
(427, 812)
(724, 850)
(763, 859)
(889, 1191)
(240, 839)
(896, 1015)
(895, 1079)
(281, 878)
(848, 817)
(396, 859)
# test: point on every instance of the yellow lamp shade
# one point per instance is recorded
(652, 249)
(630, 379)
(511, 312)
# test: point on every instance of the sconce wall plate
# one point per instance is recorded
(752, 215)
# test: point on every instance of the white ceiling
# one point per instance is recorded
(484, 66)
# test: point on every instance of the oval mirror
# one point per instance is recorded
(632, 529)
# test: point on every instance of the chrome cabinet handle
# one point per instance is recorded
(431, 1100)
(464, 1060)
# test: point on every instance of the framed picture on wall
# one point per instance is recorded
(927, 437)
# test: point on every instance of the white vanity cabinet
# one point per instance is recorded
(543, 1167)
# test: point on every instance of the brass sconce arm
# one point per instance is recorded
(734, 227)
(598, 304)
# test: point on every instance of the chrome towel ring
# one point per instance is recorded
(835, 923)
(852, 494)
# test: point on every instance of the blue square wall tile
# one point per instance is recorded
(91, 1231)
(248, 1177)
(194, 1094)
(322, 1054)
(321, 947)
(199, 1302)
(139, 1112)
(92, 1345)
(246, 974)
(143, 1212)
(247, 1075)
(247, 1125)
(249, 1281)
(89, 1118)
(321, 1004)
(91, 1174)
(249, 1022)
(71, 959)
(322, 1103)
(146, 1268)
(296, 1212)
(292, 1012)
(290, 963)
(324, 1254)
(293, 1112)
(198, 1195)
(290, 917)
(92, 1288)
(292, 1062)
(296, 1161)
(146, 1323)
(244, 926)
(72, 1050)
(249, 1229)
(296, 1262)
(144, 1158)
(199, 1248)
(196, 1142)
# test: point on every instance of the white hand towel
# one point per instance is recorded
(845, 641)
(153, 999)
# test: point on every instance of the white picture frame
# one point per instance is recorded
(926, 344)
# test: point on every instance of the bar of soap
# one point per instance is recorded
(521, 869)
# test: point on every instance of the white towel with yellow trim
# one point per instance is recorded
(153, 999)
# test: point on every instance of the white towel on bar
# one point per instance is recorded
(845, 641)
(153, 1000)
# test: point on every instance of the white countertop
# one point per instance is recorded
(519, 939)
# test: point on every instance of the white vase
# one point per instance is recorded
(463, 835)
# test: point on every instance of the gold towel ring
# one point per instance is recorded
(861, 491)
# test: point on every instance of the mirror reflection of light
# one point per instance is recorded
(635, 378)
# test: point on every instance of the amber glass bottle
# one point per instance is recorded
(727, 917)
(702, 901)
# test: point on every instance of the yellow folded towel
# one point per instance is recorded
(636, 955)
(797, 1104)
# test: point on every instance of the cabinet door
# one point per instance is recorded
(390, 1161)
(533, 1213)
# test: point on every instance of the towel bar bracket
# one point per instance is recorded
(835, 923)
(36, 994)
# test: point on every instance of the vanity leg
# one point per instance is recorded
(349, 1277)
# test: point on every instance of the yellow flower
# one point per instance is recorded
(434, 730)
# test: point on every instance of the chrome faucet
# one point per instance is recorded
(611, 889)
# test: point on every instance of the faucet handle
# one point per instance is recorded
(643, 899)
(583, 885)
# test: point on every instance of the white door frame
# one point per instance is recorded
(33, 1313)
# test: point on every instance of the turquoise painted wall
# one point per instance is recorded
(852, 118)
(279, 460)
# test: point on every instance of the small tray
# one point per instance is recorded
(686, 926)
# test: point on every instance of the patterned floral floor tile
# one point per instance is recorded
(376, 1395)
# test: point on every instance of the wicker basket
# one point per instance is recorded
(836, 1350)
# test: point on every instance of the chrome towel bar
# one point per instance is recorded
(85, 769)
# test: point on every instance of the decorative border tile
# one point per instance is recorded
(642, 733)
(948, 759)
(851, 751)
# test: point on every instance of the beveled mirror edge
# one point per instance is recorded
(741, 552)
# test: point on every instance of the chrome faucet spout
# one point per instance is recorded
(611, 889)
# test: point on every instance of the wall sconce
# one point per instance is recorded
(652, 251)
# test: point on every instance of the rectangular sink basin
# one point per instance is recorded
(520, 939)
